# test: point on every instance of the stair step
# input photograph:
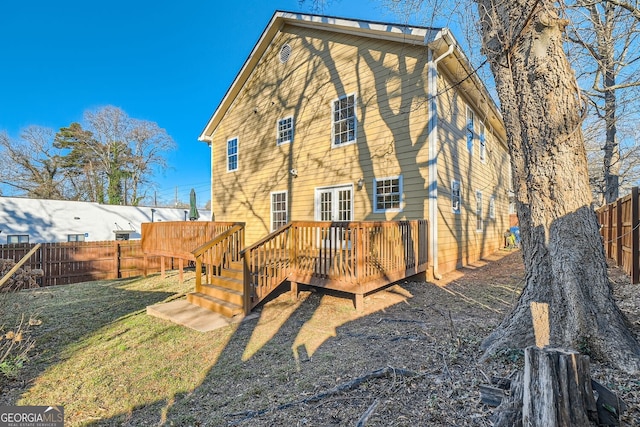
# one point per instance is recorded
(225, 294)
(233, 273)
(228, 283)
(214, 304)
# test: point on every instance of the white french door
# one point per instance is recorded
(334, 203)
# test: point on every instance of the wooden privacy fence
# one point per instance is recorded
(180, 238)
(619, 227)
(73, 262)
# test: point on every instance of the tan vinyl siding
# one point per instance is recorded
(389, 81)
(390, 92)
(458, 241)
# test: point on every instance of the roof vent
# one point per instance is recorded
(285, 52)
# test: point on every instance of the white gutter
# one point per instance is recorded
(432, 91)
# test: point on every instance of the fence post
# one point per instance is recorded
(635, 237)
(116, 259)
(618, 236)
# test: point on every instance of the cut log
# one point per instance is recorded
(557, 389)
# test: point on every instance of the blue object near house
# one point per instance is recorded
(516, 232)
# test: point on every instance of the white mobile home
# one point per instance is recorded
(25, 220)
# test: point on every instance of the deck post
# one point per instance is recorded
(359, 302)
(198, 273)
(294, 291)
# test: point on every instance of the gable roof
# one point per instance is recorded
(437, 39)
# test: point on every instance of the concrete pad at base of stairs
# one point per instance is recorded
(186, 314)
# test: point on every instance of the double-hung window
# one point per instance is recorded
(232, 154)
(455, 197)
(387, 195)
(344, 121)
(278, 209)
(285, 131)
(483, 143)
(470, 133)
(479, 221)
(17, 238)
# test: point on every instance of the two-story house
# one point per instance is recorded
(333, 119)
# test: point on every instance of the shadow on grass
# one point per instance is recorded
(245, 359)
(69, 313)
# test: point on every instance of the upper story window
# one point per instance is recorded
(75, 237)
(456, 200)
(344, 120)
(387, 195)
(232, 154)
(470, 128)
(285, 131)
(483, 142)
(17, 238)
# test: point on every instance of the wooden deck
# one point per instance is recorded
(353, 257)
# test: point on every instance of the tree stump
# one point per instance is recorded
(557, 389)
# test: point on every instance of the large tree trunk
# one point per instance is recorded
(563, 253)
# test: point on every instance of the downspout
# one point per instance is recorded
(432, 91)
(209, 141)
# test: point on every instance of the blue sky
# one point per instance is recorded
(165, 61)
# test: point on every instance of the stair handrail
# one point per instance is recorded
(266, 238)
(200, 250)
(245, 255)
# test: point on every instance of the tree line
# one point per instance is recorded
(110, 158)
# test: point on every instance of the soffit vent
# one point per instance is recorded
(285, 53)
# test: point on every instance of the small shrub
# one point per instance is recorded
(15, 344)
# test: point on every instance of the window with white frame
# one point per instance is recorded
(492, 207)
(232, 154)
(387, 196)
(456, 200)
(75, 237)
(285, 130)
(479, 222)
(344, 120)
(470, 128)
(278, 209)
(17, 238)
(483, 142)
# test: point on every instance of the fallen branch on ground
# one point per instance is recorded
(350, 385)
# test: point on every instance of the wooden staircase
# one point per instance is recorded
(224, 294)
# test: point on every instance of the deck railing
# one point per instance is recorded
(218, 253)
(267, 264)
(339, 255)
(178, 238)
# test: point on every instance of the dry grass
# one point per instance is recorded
(98, 354)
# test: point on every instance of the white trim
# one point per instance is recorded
(355, 117)
(316, 198)
(482, 141)
(286, 211)
(288, 141)
(375, 195)
(237, 154)
(453, 208)
(473, 128)
(479, 216)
